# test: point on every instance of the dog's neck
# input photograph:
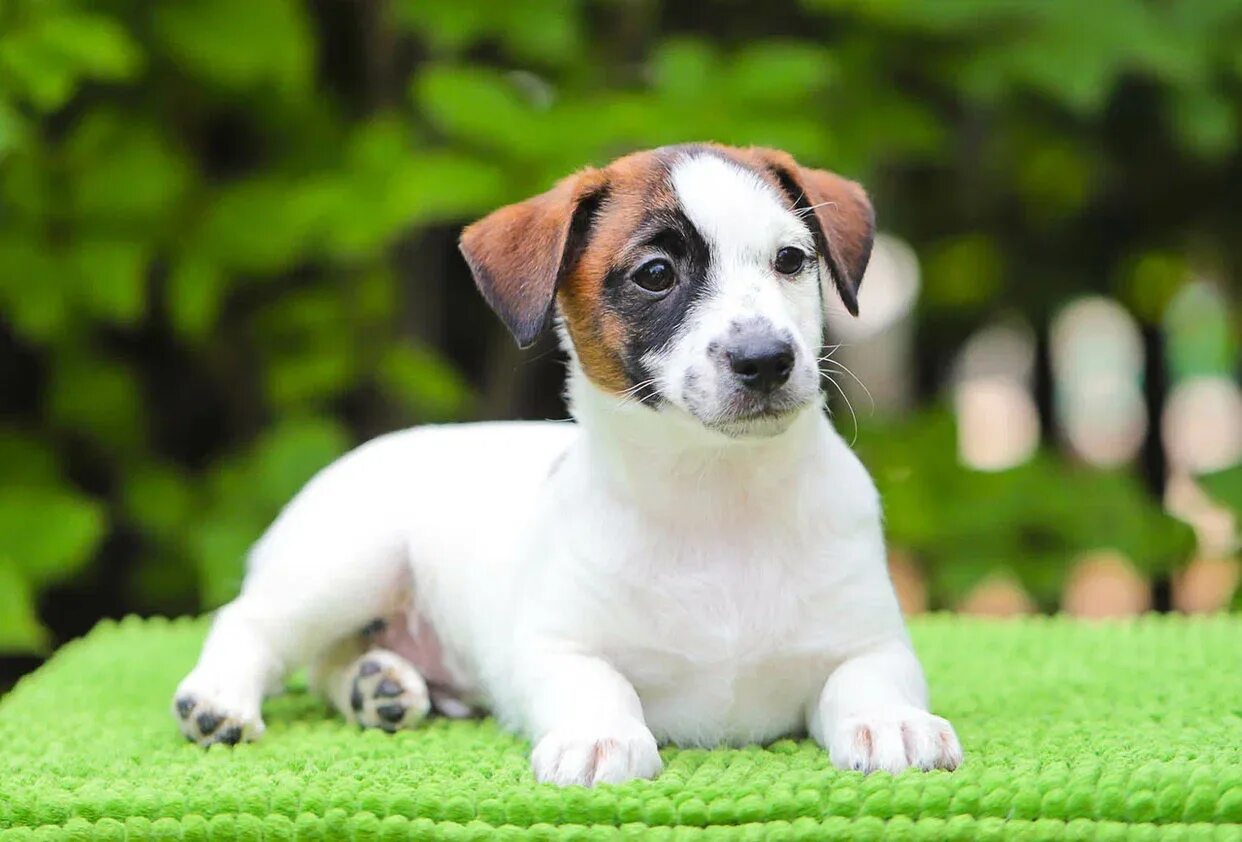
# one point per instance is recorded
(666, 458)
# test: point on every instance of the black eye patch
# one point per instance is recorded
(672, 233)
(668, 241)
(651, 324)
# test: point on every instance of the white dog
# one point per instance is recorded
(698, 560)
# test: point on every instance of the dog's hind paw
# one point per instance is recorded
(206, 719)
(386, 692)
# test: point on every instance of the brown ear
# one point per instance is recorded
(519, 253)
(839, 214)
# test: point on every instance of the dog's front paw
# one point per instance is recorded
(893, 739)
(206, 714)
(604, 755)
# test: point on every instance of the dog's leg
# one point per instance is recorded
(872, 715)
(587, 722)
(314, 581)
(371, 686)
(218, 702)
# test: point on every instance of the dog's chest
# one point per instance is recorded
(725, 641)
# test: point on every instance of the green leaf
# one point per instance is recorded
(196, 290)
(312, 374)
(1225, 487)
(388, 186)
(779, 72)
(1056, 179)
(14, 131)
(27, 461)
(110, 279)
(1207, 122)
(52, 53)
(266, 224)
(1150, 281)
(539, 30)
(480, 106)
(424, 382)
(1200, 338)
(220, 547)
(447, 25)
(964, 271)
(32, 290)
(48, 534)
(1075, 53)
(956, 17)
(159, 498)
(291, 453)
(684, 69)
(20, 629)
(238, 44)
(535, 30)
(96, 397)
(123, 170)
(95, 45)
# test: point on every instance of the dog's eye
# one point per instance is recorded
(655, 275)
(789, 260)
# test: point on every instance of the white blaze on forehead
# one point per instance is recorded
(745, 221)
(733, 208)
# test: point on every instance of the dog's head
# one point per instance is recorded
(688, 278)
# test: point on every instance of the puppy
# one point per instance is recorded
(698, 560)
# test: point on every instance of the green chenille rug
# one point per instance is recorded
(1071, 731)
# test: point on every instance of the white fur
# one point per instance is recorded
(745, 224)
(630, 578)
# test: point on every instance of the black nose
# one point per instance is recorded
(761, 363)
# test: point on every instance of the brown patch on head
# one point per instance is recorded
(836, 209)
(560, 246)
(637, 187)
(519, 253)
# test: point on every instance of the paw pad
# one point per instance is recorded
(203, 724)
(387, 693)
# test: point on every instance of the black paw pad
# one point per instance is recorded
(185, 706)
(387, 689)
(368, 668)
(391, 713)
(230, 736)
(208, 722)
(355, 698)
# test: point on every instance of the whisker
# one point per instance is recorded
(631, 395)
(811, 208)
(843, 367)
(848, 405)
(640, 385)
(832, 349)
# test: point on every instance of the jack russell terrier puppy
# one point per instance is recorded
(698, 560)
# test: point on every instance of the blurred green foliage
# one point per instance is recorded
(206, 210)
(1053, 512)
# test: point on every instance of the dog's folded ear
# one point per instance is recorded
(839, 215)
(519, 253)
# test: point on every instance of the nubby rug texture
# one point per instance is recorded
(1071, 731)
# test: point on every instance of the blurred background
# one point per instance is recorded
(227, 254)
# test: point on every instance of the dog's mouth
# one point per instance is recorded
(756, 417)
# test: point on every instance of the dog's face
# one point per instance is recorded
(690, 278)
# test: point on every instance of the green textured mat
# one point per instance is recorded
(1070, 731)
